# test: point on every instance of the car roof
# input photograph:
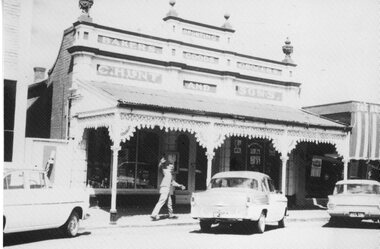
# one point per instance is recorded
(358, 181)
(244, 174)
(8, 170)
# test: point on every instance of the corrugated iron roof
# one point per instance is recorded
(187, 102)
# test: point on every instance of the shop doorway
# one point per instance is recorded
(255, 154)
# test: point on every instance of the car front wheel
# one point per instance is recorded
(205, 225)
(260, 223)
(71, 227)
(281, 223)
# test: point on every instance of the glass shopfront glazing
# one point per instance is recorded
(137, 160)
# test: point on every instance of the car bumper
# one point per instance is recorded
(355, 212)
(228, 214)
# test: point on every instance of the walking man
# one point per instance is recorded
(167, 167)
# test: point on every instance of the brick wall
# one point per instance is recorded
(61, 79)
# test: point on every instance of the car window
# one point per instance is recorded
(37, 180)
(358, 189)
(271, 185)
(234, 182)
(14, 180)
(264, 185)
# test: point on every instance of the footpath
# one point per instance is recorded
(99, 218)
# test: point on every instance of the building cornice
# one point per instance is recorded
(183, 66)
(198, 24)
(182, 43)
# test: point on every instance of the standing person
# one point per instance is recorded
(167, 167)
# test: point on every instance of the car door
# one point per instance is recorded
(16, 202)
(45, 201)
(277, 202)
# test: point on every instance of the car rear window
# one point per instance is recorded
(234, 182)
(358, 189)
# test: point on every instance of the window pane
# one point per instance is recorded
(234, 183)
(15, 180)
(271, 185)
(36, 180)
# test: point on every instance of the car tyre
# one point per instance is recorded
(260, 223)
(71, 226)
(281, 223)
(205, 225)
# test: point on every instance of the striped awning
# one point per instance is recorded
(365, 138)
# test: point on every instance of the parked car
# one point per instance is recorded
(354, 200)
(31, 203)
(239, 196)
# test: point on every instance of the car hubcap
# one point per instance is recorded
(73, 226)
(262, 223)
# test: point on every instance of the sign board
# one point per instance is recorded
(258, 93)
(129, 44)
(192, 85)
(201, 35)
(128, 73)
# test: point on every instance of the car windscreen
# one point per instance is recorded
(357, 189)
(234, 182)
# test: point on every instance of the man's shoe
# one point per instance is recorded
(172, 217)
(155, 218)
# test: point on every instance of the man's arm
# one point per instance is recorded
(176, 184)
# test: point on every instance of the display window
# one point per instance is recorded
(137, 160)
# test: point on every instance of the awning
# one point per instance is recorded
(197, 104)
(365, 138)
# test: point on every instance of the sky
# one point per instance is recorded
(336, 42)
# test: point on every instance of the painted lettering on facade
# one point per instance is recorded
(127, 73)
(129, 44)
(200, 57)
(258, 68)
(191, 85)
(201, 35)
(258, 93)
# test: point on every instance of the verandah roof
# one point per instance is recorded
(156, 99)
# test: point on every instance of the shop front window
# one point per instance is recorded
(99, 158)
(138, 160)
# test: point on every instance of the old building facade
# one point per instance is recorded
(123, 99)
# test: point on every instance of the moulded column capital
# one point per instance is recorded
(284, 158)
(115, 148)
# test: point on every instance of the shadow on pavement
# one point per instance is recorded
(234, 229)
(35, 236)
(366, 224)
(147, 210)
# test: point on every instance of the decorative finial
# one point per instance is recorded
(288, 50)
(85, 6)
(227, 24)
(172, 11)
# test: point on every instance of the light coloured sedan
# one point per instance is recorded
(239, 196)
(354, 200)
(31, 203)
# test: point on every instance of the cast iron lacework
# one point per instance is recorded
(208, 134)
